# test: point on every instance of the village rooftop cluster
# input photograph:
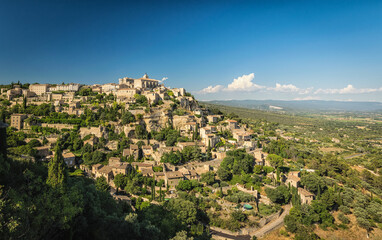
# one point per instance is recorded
(150, 107)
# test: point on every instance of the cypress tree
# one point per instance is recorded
(24, 103)
(153, 190)
(57, 169)
(318, 192)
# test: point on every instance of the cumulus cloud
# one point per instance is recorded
(289, 88)
(284, 88)
(349, 89)
(243, 83)
(212, 89)
(164, 79)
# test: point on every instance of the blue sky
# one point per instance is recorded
(328, 50)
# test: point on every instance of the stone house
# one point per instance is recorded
(69, 158)
(213, 118)
(106, 172)
(293, 181)
(147, 151)
(17, 120)
(241, 136)
(172, 179)
(120, 168)
(306, 197)
(232, 124)
(140, 165)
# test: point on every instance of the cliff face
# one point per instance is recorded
(157, 120)
(180, 121)
(97, 131)
(188, 103)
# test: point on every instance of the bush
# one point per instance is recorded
(266, 210)
(224, 184)
(240, 197)
(238, 216)
(284, 233)
(279, 195)
(343, 218)
(344, 209)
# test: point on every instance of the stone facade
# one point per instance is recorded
(17, 120)
(39, 89)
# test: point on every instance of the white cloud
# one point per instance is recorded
(289, 88)
(212, 89)
(349, 89)
(307, 98)
(243, 83)
(164, 79)
(284, 88)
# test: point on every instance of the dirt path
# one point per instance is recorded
(354, 155)
(273, 225)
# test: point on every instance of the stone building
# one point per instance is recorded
(39, 89)
(172, 179)
(232, 124)
(69, 158)
(144, 82)
(293, 181)
(306, 197)
(17, 120)
(126, 93)
(71, 87)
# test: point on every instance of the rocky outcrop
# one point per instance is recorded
(97, 131)
(188, 103)
(156, 120)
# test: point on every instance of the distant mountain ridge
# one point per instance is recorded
(303, 105)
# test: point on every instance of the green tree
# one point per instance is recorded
(120, 181)
(238, 216)
(57, 168)
(127, 118)
(174, 158)
(140, 99)
(182, 235)
(184, 210)
(140, 131)
(275, 160)
(101, 184)
(208, 178)
(224, 174)
(236, 162)
(280, 195)
(313, 182)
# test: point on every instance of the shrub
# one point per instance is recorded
(240, 197)
(224, 184)
(238, 216)
(343, 218)
(344, 209)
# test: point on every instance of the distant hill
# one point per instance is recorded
(303, 106)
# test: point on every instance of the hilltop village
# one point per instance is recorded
(145, 144)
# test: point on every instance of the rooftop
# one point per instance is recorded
(68, 155)
(175, 174)
(305, 192)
